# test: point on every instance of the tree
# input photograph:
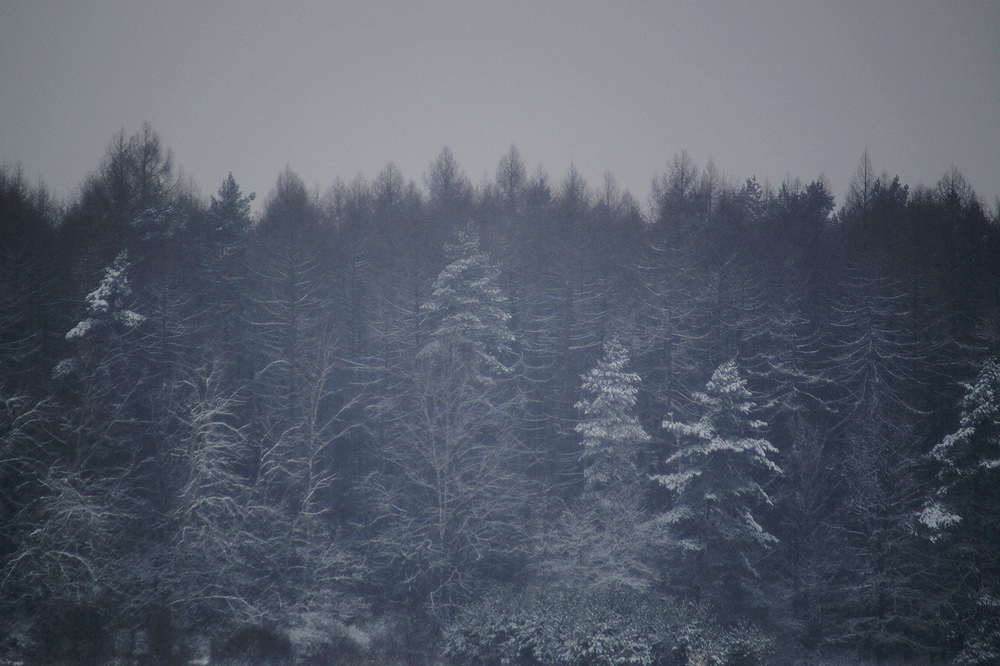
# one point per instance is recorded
(33, 281)
(802, 579)
(450, 190)
(449, 487)
(288, 303)
(789, 240)
(603, 541)
(224, 269)
(875, 353)
(448, 492)
(562, 318)
(229, 215)
(859, 196)
(682, 200)
(716, 481)
(98, 492)
(672, 344)
(128, 204)
(962, 511)
(612, 435)
(511, 179)
(882, 598)
(466, 313)
(106, 305)
(884, 594)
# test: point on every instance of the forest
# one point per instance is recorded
(524, 422)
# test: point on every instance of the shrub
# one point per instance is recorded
(601, 628)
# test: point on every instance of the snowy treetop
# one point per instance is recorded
(106, 304)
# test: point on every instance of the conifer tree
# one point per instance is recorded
(467, 312)
(964, 510)
(715, 480)
(108, 318)
(229, 215)
(611, 433)
(603, 541)
(449, 485)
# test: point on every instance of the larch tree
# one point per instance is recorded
(287, 311)
(511, 179)
(884, 597)
(883, 600)
(32, 280)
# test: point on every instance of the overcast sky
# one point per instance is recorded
(336, 88)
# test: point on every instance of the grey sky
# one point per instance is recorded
(771, 89)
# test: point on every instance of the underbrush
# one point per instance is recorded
(601, 628)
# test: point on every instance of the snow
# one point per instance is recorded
(64, 368)
(81, 330)
(937, 517)
(130, 319)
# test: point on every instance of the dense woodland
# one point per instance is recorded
(525, 422)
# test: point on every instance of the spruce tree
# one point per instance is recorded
(448, 496)
(715, 481)
(467, 312)
(602, 541)
(963, 511)
(108, 315)
(612, 435)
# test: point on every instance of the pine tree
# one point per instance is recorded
(716, 480)
(106, 304)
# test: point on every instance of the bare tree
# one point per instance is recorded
(448, 496)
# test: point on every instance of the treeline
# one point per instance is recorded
(400, 423)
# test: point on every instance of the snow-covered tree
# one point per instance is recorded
(969, 457)
(611, 432)
(964, 509)
(467, 312)
(107, 305)
(602, 541)
(601, 545)
(715, 480)
(449, 487)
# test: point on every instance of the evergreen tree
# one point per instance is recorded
(715, 480)
(603, 540)
(449, 483)
(108, 314)
(612, 435)
(229, 215)
(964, 511)
(467, 312)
